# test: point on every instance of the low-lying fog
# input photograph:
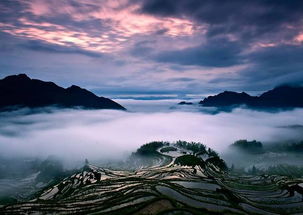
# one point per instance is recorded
(74, 135)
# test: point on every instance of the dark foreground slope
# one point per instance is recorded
(279, 97)
(178, 187)
(22, 91)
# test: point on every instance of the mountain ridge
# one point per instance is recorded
(279, 97)
(21, 90)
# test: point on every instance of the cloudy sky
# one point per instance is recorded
(154, 46)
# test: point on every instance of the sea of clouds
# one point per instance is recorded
(74, 135)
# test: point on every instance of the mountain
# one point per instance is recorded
(279, 97)
(227, 98)
(20, 90)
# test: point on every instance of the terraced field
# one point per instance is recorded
(166, 188)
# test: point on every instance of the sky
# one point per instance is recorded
(154, 47)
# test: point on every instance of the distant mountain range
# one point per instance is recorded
(279, 97)
(22, 91)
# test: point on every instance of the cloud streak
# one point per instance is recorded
(116, 23)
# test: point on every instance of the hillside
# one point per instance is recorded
(185, 182)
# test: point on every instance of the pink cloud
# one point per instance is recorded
(120, 23)
(299, 38)
(118, 13)
(60, 35)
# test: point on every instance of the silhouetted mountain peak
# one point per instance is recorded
(279, 97)
(74, 87)
(19, 77)
(231, 93)
(20, 90)
(77, 91)
(283, 91)
(227, 98)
